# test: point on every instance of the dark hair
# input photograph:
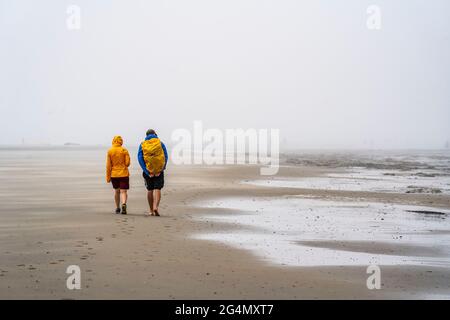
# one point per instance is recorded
(150, 131)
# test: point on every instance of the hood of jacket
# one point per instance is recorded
(151, 136)
(117, 141)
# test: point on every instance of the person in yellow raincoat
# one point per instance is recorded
(117, 163)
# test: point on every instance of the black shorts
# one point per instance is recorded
(152, 183)
(121, 183)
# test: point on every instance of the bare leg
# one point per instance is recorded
(117, 197)
(157, 199)
(150, 200)
(123, 195)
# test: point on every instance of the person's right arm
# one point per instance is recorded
(127, 158)
(108, 167)
(166, 156)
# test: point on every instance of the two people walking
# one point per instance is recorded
(152, 157)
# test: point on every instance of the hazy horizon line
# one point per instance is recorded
(282, 149)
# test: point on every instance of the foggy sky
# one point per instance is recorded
(310, 68)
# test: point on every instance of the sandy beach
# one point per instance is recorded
(57, 210)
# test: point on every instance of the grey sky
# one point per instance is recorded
(310, 68)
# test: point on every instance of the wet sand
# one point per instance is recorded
(57, 211)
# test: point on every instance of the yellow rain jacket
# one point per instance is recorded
(117, 160)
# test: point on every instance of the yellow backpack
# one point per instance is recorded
(153, 155)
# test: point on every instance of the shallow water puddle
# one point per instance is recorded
(368, 180)
(298, 231)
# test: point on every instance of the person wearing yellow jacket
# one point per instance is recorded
(117, 163)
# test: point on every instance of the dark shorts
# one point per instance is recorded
(121, 183)
(152, 183)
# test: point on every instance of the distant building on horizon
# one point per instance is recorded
(447, 145)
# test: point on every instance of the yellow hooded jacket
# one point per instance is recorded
(117, 160)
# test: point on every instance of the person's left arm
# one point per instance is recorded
(108, 167)
(142, 161)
